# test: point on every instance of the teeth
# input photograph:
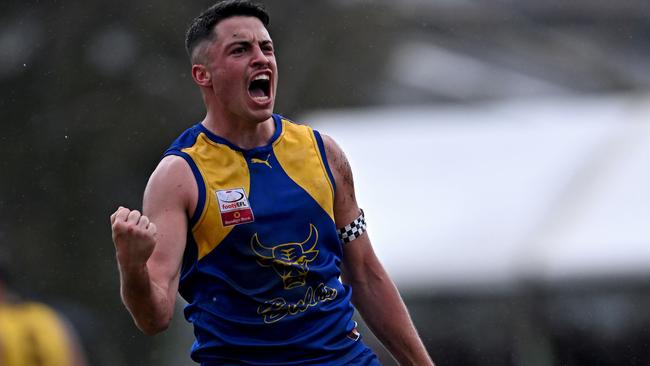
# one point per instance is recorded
(261, 77)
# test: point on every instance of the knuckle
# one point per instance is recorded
(117, 226)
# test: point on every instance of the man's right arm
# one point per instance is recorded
(149, 247)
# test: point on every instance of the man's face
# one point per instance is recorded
(244, 74)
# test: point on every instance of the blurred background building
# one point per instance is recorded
(501, 151)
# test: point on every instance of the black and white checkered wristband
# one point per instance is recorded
(353, 230)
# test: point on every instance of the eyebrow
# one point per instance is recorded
(248, 43)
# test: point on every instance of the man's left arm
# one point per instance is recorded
(373, 292)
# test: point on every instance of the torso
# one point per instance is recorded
(262, 263)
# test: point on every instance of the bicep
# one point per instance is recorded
(346, 208)
(168, 198)
(358, 255)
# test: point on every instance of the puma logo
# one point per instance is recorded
(260, 161)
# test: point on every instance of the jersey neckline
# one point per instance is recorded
(277, 121)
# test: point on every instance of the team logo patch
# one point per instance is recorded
(289, 260)
(234, 207)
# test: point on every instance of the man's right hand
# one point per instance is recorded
(134, 237)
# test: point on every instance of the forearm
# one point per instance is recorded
(373, 292)
(382, 308)
(149, 304)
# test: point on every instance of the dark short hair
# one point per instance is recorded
(202, 26)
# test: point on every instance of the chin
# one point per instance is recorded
(255, 118)
(260, 116)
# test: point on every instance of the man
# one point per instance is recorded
(246, 218)
(32, 333)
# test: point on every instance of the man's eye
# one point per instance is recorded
(238, 50)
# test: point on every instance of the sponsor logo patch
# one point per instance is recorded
(234, 207)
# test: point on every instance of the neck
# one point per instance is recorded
(243, 133)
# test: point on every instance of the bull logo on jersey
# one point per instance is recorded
(290, 261)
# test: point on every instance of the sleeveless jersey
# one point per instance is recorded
(32, 334)
(261, 267)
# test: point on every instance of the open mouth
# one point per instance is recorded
(260, 87)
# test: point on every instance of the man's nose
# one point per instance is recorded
(259, 57)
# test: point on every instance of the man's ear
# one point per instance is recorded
(201, 75)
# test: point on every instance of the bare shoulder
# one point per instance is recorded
(172, 166)
(337, 161)
(171, 183)
(345, 202)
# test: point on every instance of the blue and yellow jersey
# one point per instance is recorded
(261, 268)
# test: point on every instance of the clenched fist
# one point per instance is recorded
(134, 237)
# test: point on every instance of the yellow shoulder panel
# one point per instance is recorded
(297, 151)
(221, 168)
